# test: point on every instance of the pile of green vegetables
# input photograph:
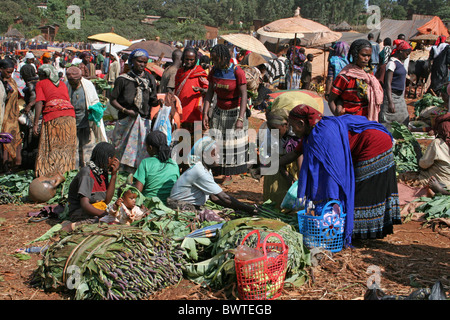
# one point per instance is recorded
(111, 262)
(406, 148)
(132, 262)
(428, 100)
(14, 186)
(436, 207)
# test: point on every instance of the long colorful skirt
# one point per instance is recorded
(233, 144)
(377, 207)
(57, 147)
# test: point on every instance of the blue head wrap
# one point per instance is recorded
(137, 53)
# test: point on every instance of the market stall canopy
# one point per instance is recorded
(434, 26)
(247, 42)
(390, 28)
(425, 37)
(311, 33)
(154, 48)
(73, 49)
(110, 37)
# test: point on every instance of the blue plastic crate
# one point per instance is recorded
(325, 229)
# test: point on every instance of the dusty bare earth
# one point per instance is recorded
(415, 256)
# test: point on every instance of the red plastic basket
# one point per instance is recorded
(263, 278)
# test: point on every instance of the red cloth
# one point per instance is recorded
(365, 145)
(191, 101)
(368, 144)
(346, 88)
(400, 45)
(226, 85)
(442, 127)
(303, 111)
(374, 91)
(46, 91)
(98, 186)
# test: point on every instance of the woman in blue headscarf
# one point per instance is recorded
(134, 95)
(336, 62)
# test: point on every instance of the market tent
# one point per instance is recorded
(110, 37)
(247, 42)
(434, 26)
(311, 33)
(391, 28)
(154, 48)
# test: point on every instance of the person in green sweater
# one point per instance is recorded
(157, 173)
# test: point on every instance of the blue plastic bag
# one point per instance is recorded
(291, 200)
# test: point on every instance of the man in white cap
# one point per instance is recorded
(28, 69)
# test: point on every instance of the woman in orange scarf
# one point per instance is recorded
(191, 85)
(356, 90)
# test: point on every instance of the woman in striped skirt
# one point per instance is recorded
(348, 158)
(228, 122)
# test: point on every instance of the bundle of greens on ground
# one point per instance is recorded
(15, 186)
(436, 207)
(406, 149)
(427, 101)
(219, 271)
(110, 262)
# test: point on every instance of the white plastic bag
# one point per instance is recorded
(163, 124)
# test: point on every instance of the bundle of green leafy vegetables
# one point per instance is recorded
(16, 185)
(206, 257)
(405, 148)
(436, 207)
(427, 100)
(110, 262)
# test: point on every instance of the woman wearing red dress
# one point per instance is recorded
(191, 85)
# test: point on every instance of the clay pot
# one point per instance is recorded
(42, 189)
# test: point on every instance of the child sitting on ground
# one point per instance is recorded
(124, 210)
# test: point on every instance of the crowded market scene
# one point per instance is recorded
(278, 159)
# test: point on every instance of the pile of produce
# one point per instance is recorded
(111, 262)
(132, 262)
(219, 270)
(406, 149)
(15, 186)
(6, 197)
(436, 207)
(427, 101)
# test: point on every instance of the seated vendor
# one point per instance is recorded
(435, 163)
(196, 185)
(156, 174)
(91, 191)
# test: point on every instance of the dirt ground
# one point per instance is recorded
(414, 256)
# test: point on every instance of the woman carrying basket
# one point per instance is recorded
(348, 158)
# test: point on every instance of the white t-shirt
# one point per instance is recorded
(195, 186)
